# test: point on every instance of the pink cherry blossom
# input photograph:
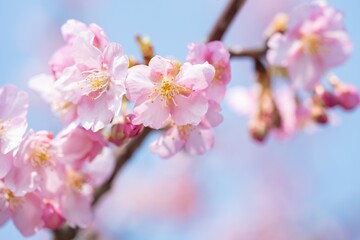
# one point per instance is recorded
(217, 55)
(35, 165)
(315, 42)
(164, 90)
(194, 139)
(63, 57)
(76, 193)
(13, 124)
(95, 84)
(76, 145)
(25, 211)
(75, 199)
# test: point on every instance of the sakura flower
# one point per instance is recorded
(76, 145)
(164, 90)
(217, 55)
(35, 165)
(13, 110)
(95, 84)
(315, 42)
(44, 84)
(194, 139)
(25, 211)
(75, 197)
(63, 57)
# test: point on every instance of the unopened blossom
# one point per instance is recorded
(25, 211)
(124, 129)
(347, 95)
(52, 217)
(315, 41)
(164, 90)
(63, 57)
(247, 102)
(44, 85)
(35, 165)
(95, 84)
(13, 124)
(218, 56)
(77, 145)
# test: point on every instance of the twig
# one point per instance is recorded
(255, 53)
(227, 16)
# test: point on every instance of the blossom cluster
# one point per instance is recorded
(302, 47)
(49, 180)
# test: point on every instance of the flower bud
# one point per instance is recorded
(347, 96)
(51, 216)
(318, 113)
(258, 130)
(125, 129)
(327, 98)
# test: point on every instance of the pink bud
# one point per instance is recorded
(318, 114)
(123, 130)
(130, 129)
(52, 217)
(328, 99)
(347, 96)
(258, 130)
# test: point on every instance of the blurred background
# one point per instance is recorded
(305, 187)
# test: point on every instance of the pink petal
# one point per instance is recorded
(138, 83)
(71, 29)
(76, 208)
(84, 52)
(190, 109)
(195, 77)
(28, 217)
(151, 113)
(159, 67)
(201, 140)
(6, 161)
(94, 114)
(169, 144)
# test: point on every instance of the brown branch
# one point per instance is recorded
(68, 233)
(255, 53)
(227, 16)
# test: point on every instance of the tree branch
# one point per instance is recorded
(255, 53)
(227, 16)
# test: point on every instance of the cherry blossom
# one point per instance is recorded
(164, 90)
(218, 56)
(95, 84)
(315, 41)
